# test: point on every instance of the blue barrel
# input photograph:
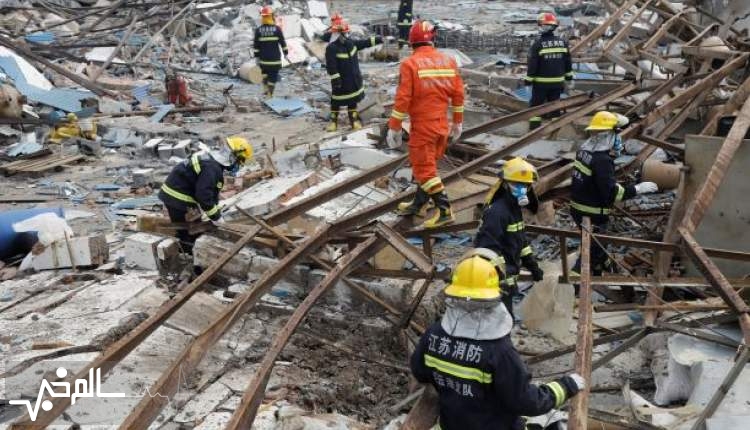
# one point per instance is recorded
(12, 243)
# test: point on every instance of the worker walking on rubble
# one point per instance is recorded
(549, 67)
(194, 185)
(502, 235)
(268, 44)
(404, 21)
(594, 189)
(429, 81)
(469, 358)
(342, 64)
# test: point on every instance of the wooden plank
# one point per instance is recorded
(663, 29)
(669, 65)
(674, 149)
(108, 359)
(584, 345)
(425, 412)
(403, 247)
(735, 102)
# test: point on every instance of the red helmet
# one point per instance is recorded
(421, 32)
(340, 27)
(336, 18)
(266, 11)
(547, 18)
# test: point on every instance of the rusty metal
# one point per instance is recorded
(149, 407)
(244, 416)
(406, 249)
(584, 344)
(423, 285)
(717, 280)
(117, 351)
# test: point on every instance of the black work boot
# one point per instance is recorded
(444, 213)
(418, 206)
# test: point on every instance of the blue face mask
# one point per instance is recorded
(234, 169)
(520, 192)
(617, 146)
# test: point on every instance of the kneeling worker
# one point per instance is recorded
(194, 185)
(470, 360)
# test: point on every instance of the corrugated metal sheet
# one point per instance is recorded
(65, 99)
(288, 107)
(41, 37)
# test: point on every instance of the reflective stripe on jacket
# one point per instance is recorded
(268, 40)
(342, 64)
(196, 182)
(594, 189)
(429, 82)
(549, 61)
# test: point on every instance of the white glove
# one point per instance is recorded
(580, 382)
(646, 187)
(394, 138)
(456, 130)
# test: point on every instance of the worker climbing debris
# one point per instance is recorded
(469, 358)
(342, 64)
(193, 186)
(269, 44)
(549, 67)
(594, 189)
(429, 82)
(502, 230)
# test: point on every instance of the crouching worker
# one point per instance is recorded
(193, 186)
(469, 358)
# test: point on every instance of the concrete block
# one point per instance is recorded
(215, 420)
(181, 148)
(203, 404)
(142, 177)
(290, 26)
(168, 251)
(140, 250)
(150, 147)
(208, 248)
(86, 250)
(317, 8)
(164, 151)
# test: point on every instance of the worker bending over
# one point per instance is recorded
(469, 358)
(549, 67)
(268, 39)
(342, 64)
(502, 231)
(194, 185)
(404, 21)
(594, 189)
(429, 83)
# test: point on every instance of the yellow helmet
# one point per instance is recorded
(520, 170)
(72, 117)
(475, 278)
(241, 149)
(607, 121)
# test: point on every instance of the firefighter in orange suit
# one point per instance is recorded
(429, 83)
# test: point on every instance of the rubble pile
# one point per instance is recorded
(301, 307)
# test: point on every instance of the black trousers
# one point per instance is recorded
(270, 74)
(541, 94)
(403, 34)
(598, 254)
(186, 239)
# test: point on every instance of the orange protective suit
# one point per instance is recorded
(429, 82)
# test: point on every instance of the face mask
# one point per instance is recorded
(234, 169)
(617, 146)
(520, 192)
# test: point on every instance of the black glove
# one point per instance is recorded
(571, 386)
(537, 274)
